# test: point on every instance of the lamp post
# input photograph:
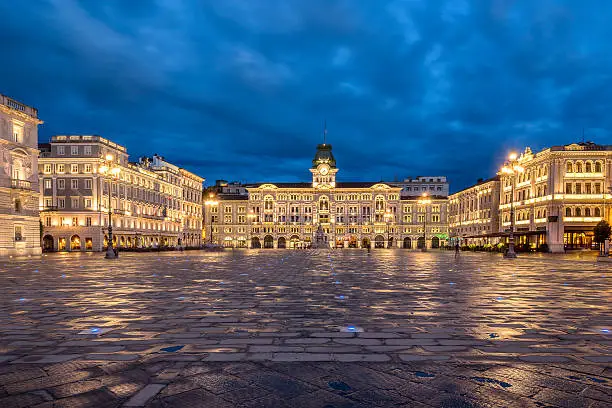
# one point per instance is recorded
(387, 217)
(424, 201)
(512, 168)
(109, 169)
(211, 202)
(250, 216)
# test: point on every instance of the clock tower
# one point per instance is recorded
(324, 167)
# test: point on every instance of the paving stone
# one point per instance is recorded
(144, 395)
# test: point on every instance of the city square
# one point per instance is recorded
(320, 328)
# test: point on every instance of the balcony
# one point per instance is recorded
(21, 184)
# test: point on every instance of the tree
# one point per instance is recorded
(602, 232)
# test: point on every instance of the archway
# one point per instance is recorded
(407, 243)
(352, 241)
(75, 243)
(294, 242)
(365, 243)
(379, 241)
(122, 241)
(255, 243)
(282, 243)
(435, 242)
(268, 241)
(421, 243)
(390, 243)
(47, 243)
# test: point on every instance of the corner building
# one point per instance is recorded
(563, 192)
(19, 222)
(153, 203)
(350, 214)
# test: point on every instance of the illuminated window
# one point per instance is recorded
(17, 133)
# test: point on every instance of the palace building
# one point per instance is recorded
(350, 214)
(561, 193)
(19, 222)
(474, 213)
(85, 180)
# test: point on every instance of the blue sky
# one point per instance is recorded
(239, 89)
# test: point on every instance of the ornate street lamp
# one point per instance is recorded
(512, 168)
(387, 217)
(211, 202)
(111, 171)
(250, 216)
(424, 201)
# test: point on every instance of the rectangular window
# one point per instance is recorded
(47, 169)
(17, 133)
(578, 188)
(568, 188)
(74, 168)
(74, 150)
(88, 222)
(61, 203)
(75, 221)
(61, 150)
(74, 203)
(47, 184)
(87, 150)
(47, 221)
(18, 233)
(61, 168)
(87, 168)
(48, 202)
(74, 184)
(61, 184)
(88, 184)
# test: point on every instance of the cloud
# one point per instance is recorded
(239, 89)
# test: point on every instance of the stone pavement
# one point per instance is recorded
(305, 328)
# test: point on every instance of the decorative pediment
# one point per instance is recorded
(574, 146)
(268, 186)
(380, 186)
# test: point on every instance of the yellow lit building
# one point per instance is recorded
(153, 203)
(474, 213)
(559, 196)
(19, 222)
(350, 214)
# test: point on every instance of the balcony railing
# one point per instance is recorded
(21, 184)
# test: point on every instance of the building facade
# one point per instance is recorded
(436, 185)
(19, 196)
(151, 203)
(474, 213)
(560, 195)
(350, 214)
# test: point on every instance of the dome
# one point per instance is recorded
(324, 155)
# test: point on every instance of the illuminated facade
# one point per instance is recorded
(559, 195)
(474, 213)
(351, 214)
(153, 202)
(19, 222)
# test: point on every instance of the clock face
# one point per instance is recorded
(324, 169)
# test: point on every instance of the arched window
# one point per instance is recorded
(587, 212)
(268, 203)
(569, 167)
(597, 167)
(578, 212)
(588, 167)
(380, 203)
(578, 167)
(568, 212)
(597, 212)
(324, 203)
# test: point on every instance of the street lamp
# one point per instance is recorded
(424, 201)
(211, 202)
(512, 168)
(250, 216)
(387, 217)
(109, 169)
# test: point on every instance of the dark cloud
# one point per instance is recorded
(239, 89)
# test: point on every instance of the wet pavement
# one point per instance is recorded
(305, 328)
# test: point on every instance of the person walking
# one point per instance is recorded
(457, 248)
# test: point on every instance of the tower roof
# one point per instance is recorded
(324, 155)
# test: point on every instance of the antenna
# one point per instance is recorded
(582, 135)
(325, 132)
